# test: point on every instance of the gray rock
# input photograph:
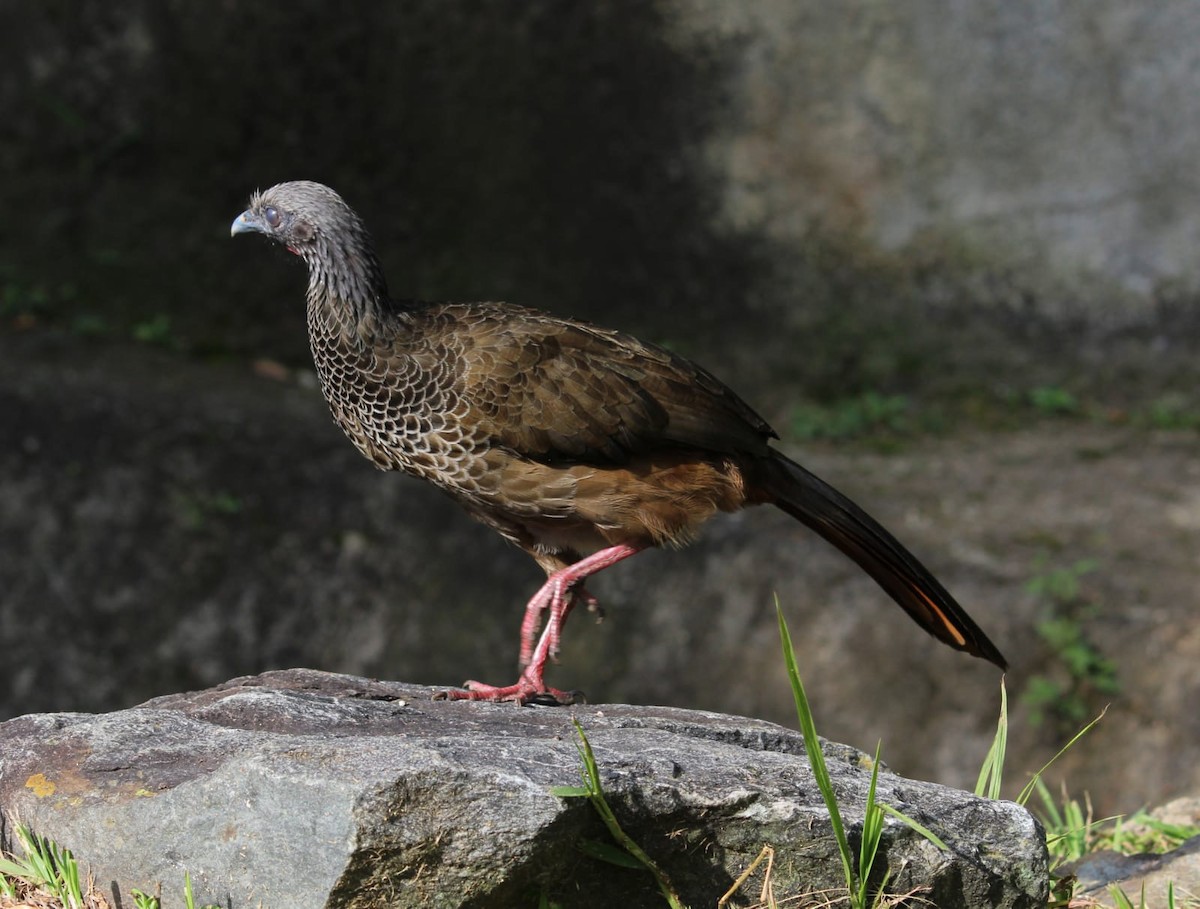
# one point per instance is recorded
(304, 789)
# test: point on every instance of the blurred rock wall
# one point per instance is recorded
(1057, 140)
(824, 195)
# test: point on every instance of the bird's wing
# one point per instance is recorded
(559, 390)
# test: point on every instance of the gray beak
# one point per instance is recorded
(245, 223)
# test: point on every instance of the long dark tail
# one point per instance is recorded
(811, 500)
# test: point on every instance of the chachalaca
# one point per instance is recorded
(581, 445)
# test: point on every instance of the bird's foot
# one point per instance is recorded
(526, 691)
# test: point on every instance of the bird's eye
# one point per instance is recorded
(271, 216)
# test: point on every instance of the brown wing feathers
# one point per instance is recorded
(565, 391)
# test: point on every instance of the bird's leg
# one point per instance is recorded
(533, 615)
(558, 596)
(529, 624)
(562, 590)
(560, 608)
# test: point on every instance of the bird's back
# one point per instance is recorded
(456, 377)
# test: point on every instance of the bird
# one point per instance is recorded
(579, 444)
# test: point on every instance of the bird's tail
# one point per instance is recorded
(811, 500)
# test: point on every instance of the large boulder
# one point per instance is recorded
(304, 789)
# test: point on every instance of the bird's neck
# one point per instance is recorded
(347, 293)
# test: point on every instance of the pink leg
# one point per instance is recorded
(558, 597)
(533, 617)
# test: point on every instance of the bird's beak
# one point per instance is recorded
(247, 222)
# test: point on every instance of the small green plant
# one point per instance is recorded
(630, 854)
(816, 759)
(991, 774)
(143, 900)
(1139, 832)
(1173, 412)
(867, 414)
(89, 325)
(154, 330)
(1121, 899)
(1078, 672)
(195, 509)
(34, 300)
(1072, 832)
(1052, 400)
(1060, 585)
(44, 865)
(1068, 824)
(46, 871)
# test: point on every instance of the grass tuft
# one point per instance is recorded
(45, 866)
(47, 875)
(861, 893)
(630, 854)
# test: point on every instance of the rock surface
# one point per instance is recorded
(304, 789)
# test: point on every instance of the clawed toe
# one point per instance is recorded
(525, 693)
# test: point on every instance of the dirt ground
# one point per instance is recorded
(167, 524)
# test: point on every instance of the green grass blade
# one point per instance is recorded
(189, 900)
(1121, 899)
(607, 852)
(21, 871)
(570, 792)
(1030, 786)
(37, 864)
(992, 771)
(1051, 813)
(69, 871)
(812, 745)
(872, 832)
(915, 825)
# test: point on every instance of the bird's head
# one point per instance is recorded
(297, 215)
(312, 221)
